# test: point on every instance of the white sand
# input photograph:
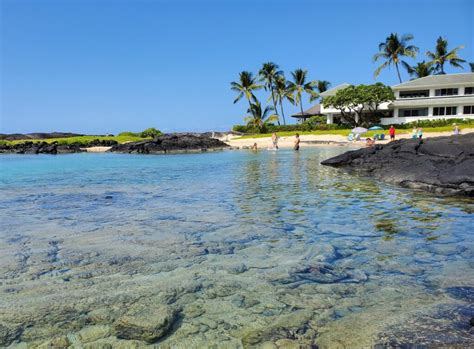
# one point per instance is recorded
(336, 140)
(96, 149)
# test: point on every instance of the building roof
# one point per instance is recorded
(314, 110)
(437, 81)
(332, 91)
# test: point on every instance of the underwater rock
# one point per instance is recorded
(324, 274)
(8, 333)
(145, 322)
(291, 326)
(445, 327)
(465, 293)
(442, 165)
(170, 143)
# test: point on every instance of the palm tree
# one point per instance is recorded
(392, 50)
(323, 86)
(258, 117)
(269, 74)
(282, 92)
(299, 85)
(442, 56)
(420, 70)
(245, 86)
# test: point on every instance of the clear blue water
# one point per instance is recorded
(254, 240)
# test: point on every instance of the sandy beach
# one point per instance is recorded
(323, 140)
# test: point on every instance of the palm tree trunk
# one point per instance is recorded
(398, 72)
(302, 113)
(282, 113)
(274, 104)
(442, 68)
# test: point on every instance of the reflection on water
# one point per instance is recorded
(233, 249)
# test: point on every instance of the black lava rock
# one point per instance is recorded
(41, 148)
(443, 165)
(171, 143)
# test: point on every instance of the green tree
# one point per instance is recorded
(246, 86)
(268, 74)
(323, 85)
(299, 85)
(150, 132)
(282, 93)
(359, 105)
(392, 51)
(257, 117)
(441, 55)
(420, 70)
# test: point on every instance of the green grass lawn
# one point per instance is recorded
(79, 139)
(346, 132)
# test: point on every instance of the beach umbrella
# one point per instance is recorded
(375, 128)
(359, 130)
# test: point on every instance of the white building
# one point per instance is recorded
(433, 97)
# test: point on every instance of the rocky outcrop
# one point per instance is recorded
(172, 143)
(53, 148)
(40, 148)
(443, 165)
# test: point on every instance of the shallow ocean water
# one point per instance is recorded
(247, 249)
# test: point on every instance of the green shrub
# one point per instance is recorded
(434, 123)
(150, 132)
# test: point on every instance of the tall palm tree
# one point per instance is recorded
(258, 117)
(282, 92)
(299, 85)
(246, 85)
(323, 86)
(268, 75)
(442, 56)
(421, 69)
(392, 50)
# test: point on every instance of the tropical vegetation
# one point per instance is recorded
(395, 47)
(280, 90)
(392, 50)
(442, 55)
(359, 105)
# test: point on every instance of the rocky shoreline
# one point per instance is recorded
(171, 143)
(52, 148)
(442, 165)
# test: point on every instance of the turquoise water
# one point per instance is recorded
(246, 249)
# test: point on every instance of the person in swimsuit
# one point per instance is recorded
(275, 140)
(297, 142)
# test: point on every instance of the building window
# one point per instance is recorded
(413, 112)
(414, 94)
(437, 111)
(468, 109)
(446, 92)
(451, 110)
(469, 90)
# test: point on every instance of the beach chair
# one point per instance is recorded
(381, 137)
(350, 137)
(357, 137)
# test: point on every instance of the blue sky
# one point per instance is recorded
(103, 66)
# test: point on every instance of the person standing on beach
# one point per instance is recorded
(420, 133)
(391, 132)
(275, 140)
(297, 142)
(456, 130)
